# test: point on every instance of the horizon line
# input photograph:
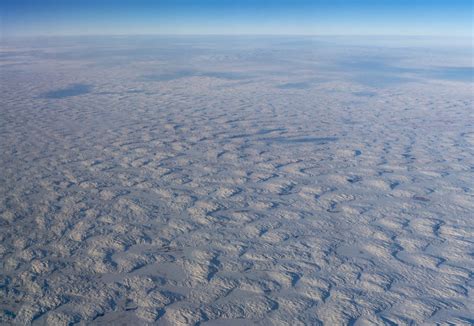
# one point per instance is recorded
(239, 34)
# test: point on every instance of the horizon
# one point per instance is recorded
(396, 41)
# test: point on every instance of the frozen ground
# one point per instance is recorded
(208, 181)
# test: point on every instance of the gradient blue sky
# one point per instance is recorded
(323, 17)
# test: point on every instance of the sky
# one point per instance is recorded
(278, 17)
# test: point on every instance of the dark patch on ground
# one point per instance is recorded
(464, 74)
(365, 94)
(314, 140)
(301, 85)
(72, 90)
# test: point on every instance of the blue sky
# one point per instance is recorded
(355, 17)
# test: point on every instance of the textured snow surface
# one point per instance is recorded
(209, 181)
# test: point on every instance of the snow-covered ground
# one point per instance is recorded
(236, 181)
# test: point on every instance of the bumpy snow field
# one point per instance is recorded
(236, 181)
